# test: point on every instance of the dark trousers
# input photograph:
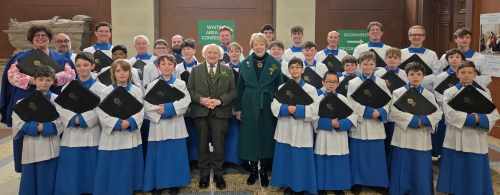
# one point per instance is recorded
(211, 129)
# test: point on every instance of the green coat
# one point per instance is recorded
(255, 96)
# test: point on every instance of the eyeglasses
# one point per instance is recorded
(332, 82)
(62, 41)
(40, 35)
(416, 35)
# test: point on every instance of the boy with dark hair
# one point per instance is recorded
(411, 158)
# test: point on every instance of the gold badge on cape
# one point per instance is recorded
(37, 63)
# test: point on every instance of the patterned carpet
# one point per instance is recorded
(496, 181)
(236, 185)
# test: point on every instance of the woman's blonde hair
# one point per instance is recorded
(258, 37)
(125, 65)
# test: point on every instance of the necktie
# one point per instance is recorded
(211, 72)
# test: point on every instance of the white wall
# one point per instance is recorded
(130, 18)
(295, 12)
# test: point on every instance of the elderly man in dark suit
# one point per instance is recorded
(212, 88)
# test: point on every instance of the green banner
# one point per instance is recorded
(350, 38)
(208, 30)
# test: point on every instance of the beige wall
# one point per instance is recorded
(293, 12)
(130, 18)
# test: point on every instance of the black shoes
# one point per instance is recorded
(336, 192)
(156, 192)
(174, 191)
(339, 192)
(219, 182)
(264, 179)
(255, 173)
(252, 178)
(288, 191)
(204, 181)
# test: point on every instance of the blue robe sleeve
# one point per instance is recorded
(169, 111)
(61, 60)
(414, 122)
(71, 64)
(325, 123)
(132, 124)
(300, 111)
(83, 123)
(470, 121)
(483, 121)
(72, 122)
(383, 114)
(283, 110)
(49, 129)
(345, 125)
(424, 120)
(7, 99)
(29, 128)
(17, 146)
(118, 125)
(368, 112)
(319, 92)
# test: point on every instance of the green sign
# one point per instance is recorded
(208, 30)
(350, 38)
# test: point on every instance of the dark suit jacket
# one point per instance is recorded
(222, 87)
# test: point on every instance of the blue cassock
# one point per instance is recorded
(9, 96)
(67, 55)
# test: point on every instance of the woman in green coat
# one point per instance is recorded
(260, 76)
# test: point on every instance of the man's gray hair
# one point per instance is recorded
(221, 51)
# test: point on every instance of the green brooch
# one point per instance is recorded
(273, 68)
(224, 74)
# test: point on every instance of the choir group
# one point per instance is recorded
(302, 119)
